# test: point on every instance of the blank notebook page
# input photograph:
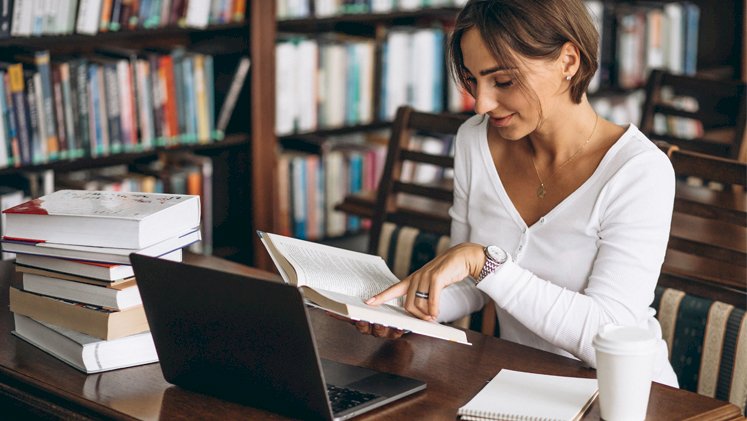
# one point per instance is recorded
(519, 395)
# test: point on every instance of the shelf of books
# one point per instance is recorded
(360, 62)
(128, 96)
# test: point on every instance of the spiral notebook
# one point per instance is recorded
(519, 395)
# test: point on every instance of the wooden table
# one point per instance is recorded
(35, 383)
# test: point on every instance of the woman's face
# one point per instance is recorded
(512, 112)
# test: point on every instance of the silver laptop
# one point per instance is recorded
(249, 340)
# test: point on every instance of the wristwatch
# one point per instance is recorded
(494, 258)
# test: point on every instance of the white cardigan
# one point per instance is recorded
(593, 259)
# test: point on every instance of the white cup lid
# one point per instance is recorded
(624, 340)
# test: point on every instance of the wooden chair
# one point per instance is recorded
(410, 224)
(706, 340)
(717, 115)
(707, 250)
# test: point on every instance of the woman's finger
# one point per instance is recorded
(411, 304)
(395, 291)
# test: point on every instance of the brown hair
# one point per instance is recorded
(535, 29)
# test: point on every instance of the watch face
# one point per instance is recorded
(496, 253)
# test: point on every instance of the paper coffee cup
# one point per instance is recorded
(625, 363)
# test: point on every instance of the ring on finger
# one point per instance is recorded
(421, 294)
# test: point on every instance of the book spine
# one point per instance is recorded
(20, 107)
(14, 148)
(59, 112)
(115, 23)
(4, 133)
(49, 135)
(203, 121)
(6, 16)
(177, 56)
(172, 118)
(33, 99)
(190, 101)
(210, 96)
(89, 13)
(85, 117)
(229, 103)
(298, 193)
(113, 108)
(145, 107)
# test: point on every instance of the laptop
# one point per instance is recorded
(249, 340)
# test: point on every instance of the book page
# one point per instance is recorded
(333, 269)
(387, 315)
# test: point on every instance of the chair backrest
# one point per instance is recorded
(707, 342)
(410, 223)
(403, 197)
(695, 113)
(707, 250)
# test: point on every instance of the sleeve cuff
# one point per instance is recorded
(498, 285)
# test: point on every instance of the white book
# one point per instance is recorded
(397, 73)
(340, 280)
(306, 72)
(382, 6)
(117, 296)
(66, 20)
(285, 88)
(103, 218)
(409, 4)
(101, 254)
(675, 38)
(366, 52)
(84, 352)
(104, 272)
(335, 72)
(326, 8)
(198, 14)
(423, 77)
(23, 16)
(89, 15)
(518, 395)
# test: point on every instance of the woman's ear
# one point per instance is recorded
(569, 60)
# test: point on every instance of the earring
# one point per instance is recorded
(568, 77)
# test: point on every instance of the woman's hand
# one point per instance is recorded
(424, 286)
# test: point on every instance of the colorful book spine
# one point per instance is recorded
(49, 135)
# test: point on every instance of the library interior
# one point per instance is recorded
(314, 143)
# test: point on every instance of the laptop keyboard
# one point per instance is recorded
(342, 398)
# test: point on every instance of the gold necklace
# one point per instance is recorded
(541, 190)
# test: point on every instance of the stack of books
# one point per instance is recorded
(78, 299)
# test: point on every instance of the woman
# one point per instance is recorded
(575, 209)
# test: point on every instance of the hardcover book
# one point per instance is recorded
(95, 321)
(340, 280)
(84, 352)
(99, 254)
(103, 218)
(118, 296)
(106, 273)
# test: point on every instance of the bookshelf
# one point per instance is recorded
(244, 180)
(242, 198)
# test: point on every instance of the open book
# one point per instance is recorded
(340, 280)
(518, 395)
